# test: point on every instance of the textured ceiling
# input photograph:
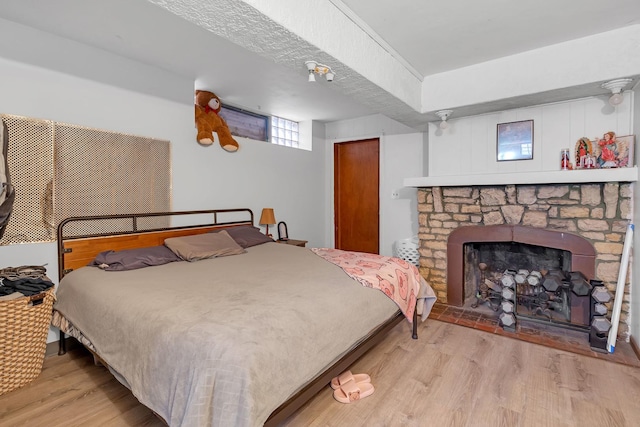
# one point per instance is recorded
(252, 52)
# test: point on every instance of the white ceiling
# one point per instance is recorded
(437, 36)
(252, 61)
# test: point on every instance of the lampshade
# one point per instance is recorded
(444, 115)
(616, 99)
(616, 86)
(267, 217)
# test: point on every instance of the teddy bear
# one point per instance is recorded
(208, 106)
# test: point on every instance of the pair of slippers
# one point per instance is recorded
(348, 387)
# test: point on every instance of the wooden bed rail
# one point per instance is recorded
(128, 231)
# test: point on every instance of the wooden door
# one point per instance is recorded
(356, 195)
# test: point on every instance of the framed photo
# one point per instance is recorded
(613, 151)
(515, 140)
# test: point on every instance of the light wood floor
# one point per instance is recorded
(451, 376)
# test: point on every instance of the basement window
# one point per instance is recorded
(245, 123)
(285, 132)
(256, 126)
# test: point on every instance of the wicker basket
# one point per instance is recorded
(407, 249)
(24, 323)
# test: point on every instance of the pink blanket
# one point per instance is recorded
(398, 279)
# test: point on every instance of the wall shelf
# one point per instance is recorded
(542, 177)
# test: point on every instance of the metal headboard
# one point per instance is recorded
(181, 222)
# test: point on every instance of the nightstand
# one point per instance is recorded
(301, 243)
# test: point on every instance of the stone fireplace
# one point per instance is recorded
(586, 220)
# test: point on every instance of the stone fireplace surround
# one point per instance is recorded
(597, 212)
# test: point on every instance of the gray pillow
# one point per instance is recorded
(202, 246)
(131, 259)
(247, 236)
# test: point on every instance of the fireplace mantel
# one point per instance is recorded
(542, 177)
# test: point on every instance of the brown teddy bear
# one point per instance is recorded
(208, 121)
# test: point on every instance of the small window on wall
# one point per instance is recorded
(284, 132)
(245, 123)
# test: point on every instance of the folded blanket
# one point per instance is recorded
(28, 279)
(397, 278)
(25, 285)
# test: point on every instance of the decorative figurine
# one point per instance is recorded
(565, 162)
(608, 151)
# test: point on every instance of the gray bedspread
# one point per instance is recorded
(224, 341)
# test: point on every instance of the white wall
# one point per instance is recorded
(401, 156)
(468, 145)
(258, 175)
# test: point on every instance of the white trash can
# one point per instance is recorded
(407, 249)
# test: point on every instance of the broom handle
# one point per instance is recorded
(622, 277)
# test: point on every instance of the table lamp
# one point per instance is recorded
(267, 218)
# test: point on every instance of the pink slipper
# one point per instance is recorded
(352, 391)
(348, 376)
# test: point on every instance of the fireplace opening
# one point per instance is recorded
(533, 282)
(523, 273)
(502, 256)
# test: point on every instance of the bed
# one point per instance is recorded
(232, 340)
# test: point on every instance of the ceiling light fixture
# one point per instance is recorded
(616, 86)
(444, 115)
(319, 69)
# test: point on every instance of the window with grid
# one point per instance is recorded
(285, 132)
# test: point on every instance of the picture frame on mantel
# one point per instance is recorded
(514, 141)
